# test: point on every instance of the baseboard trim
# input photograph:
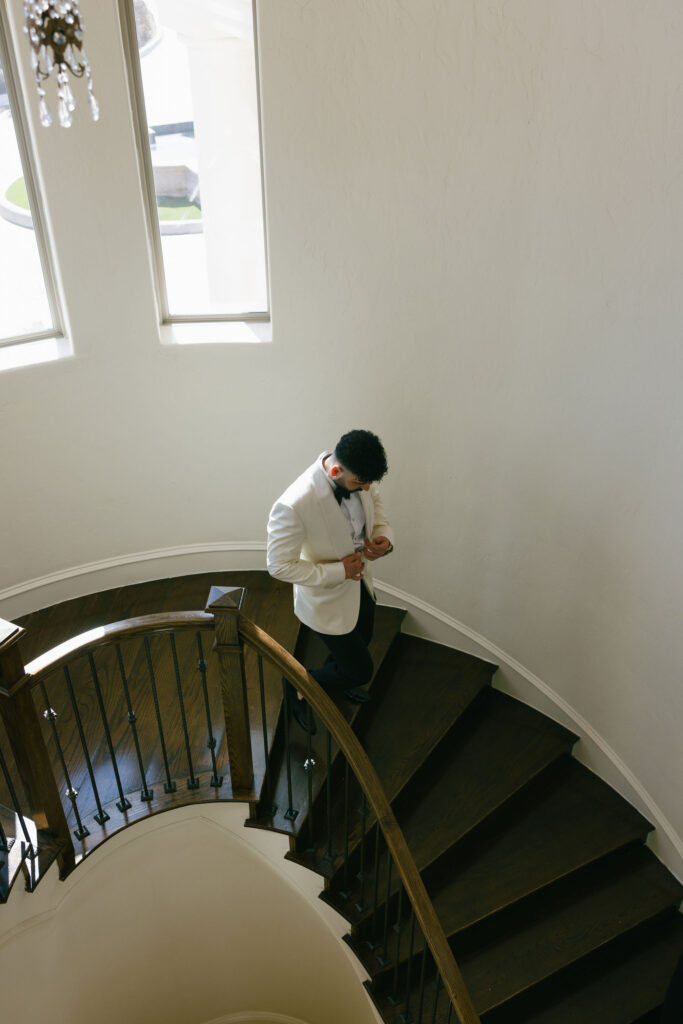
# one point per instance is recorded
(124, 570)
(512, 677)
(423, 620)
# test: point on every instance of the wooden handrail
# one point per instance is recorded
(125, 629)
(367, 777)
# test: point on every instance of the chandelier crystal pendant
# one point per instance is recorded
(55, 33)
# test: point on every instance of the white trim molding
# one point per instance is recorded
(124, 570)
(426, 621)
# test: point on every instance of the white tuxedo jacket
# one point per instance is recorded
(308, 535)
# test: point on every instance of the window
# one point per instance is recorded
(194, 80)
(29, 315)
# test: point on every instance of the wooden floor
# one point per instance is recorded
(267, 602)
(554, 907)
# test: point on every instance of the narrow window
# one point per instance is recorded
(194, 82)
(29, 316)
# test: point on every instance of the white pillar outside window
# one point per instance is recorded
(222, 68)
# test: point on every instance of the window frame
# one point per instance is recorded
(139, 116)
(22, 131)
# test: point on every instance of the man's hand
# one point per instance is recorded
(376, 548)
(353, 566)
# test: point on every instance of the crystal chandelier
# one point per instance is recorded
(55, 32)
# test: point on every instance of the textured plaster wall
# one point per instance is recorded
(475, 216)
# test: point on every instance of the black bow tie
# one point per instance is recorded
(341, 492)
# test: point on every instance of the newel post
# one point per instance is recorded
(225, 604)
(22, 725)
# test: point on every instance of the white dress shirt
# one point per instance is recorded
(352, 507)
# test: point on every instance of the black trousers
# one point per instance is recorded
(349, 663)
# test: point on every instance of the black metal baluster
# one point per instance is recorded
(328, 785)
(216, 780)
(384, 958)
(169, 785)
(192, 782)
(437, 993)
(345, 894)
(290, 813)
(269, 807)
(372, 941)
(393, 998)
(360, 905)
(31, 852)
(406, 1017)
(309, 765)
(101, 815)
(51, 716)
(123, 804)
(423, 967)
(146, 794)
(450, 1013)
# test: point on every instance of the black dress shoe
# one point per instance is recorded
(358, 695)
(303, 715)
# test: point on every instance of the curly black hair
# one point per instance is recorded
(362, 453)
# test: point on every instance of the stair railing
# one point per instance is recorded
(90, 721)
(395, 935)
(141, 705)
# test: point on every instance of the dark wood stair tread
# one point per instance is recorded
(562, 933)
(425, 688)
(625, 985)
(510, 745)
(625, 992)
(575, 823)
(502, 746)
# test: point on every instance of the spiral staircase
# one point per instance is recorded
(552, 903)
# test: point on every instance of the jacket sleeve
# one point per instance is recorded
(381, 526)
(283, 559)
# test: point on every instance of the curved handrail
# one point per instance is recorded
(100, 636)
(367, 777)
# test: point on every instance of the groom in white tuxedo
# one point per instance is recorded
(323, 533)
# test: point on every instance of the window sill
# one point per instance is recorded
(217, 333)
(30, 353)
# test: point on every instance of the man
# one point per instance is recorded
(322, 533)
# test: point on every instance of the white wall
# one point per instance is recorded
(475, 213)
(181, 919)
